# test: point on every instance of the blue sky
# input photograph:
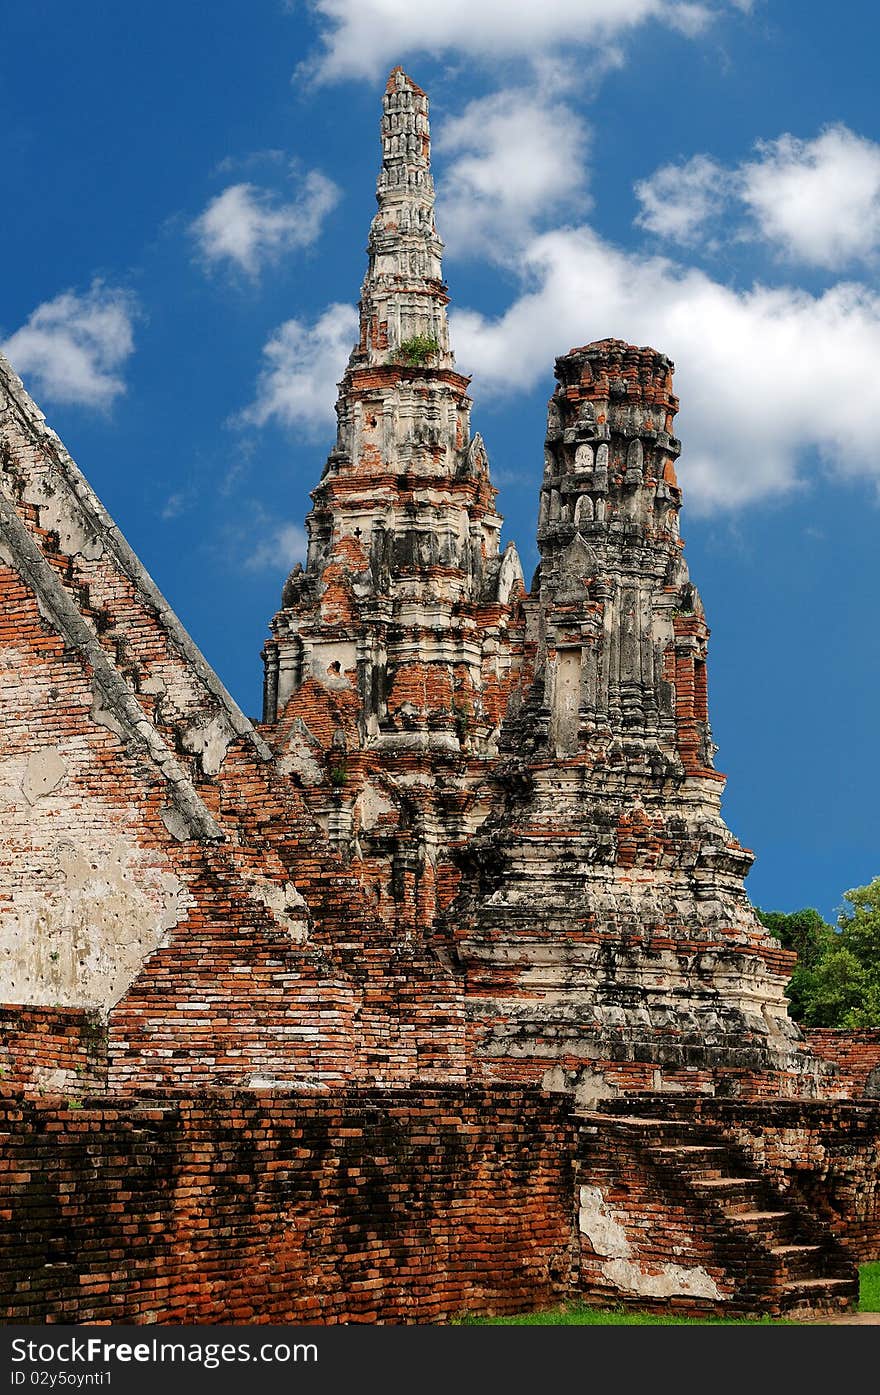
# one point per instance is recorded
(187, 193)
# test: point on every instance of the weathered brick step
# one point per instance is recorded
(767, 1226)
(815, 1294)
(730, 1188)
(798, 1261)
(661, 1130)
(693, 1160)
(687, 1148)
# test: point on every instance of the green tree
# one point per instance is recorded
(836, 982)
(857, 976)
(836, 990)
(810, 937)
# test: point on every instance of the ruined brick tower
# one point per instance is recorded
(602, 923)
(523, 782)
(390, 660)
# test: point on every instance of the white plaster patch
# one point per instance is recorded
(591, 1087)
(556, 1080)
(669, 1280)
(595, 1220)
(61, 514)
(79, 931)
(175, 823)
(510, 573)
(372, 804)
(330, 662)
(55, 1081)
(286, 904)
(209, 741)
(105, 718)
(302, 757)
(154, 684)
(45, 770)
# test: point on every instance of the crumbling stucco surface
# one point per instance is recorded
(606, 1232)
(90, 903)
(86, 899)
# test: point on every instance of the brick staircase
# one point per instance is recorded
(771, 1254)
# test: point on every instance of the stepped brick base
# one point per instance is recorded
(402, 1206)
(674, 1215)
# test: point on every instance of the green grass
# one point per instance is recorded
(580, 1315)
(869, 1288)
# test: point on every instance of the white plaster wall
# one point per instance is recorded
(82, 903)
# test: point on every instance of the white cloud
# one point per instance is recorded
(282, 546)
(246, 226)
(689, 19)
(679, 201)
(763, 374)
(818, 200)
(71, 348)
(303, 364)
(363, 37)
(177, 503)
(813, 201)
(515, 159)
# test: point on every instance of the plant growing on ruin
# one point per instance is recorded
(339, 775)
(418, 349)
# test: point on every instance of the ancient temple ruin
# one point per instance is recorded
(523, 780)
(395, 653)
(455, 940)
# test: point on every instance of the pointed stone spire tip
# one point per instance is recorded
(394, 83)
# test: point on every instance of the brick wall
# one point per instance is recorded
(52, 1048)
(856, 1056)
(405, 1206)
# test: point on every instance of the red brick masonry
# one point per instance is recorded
(825, 1154)
(63, 1048)
(395, 1206)
(856, 1055)
(262, 1207)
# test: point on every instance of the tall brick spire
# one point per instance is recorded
(406, 491)
(403, 296)
(394, 642)
(623, 624)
